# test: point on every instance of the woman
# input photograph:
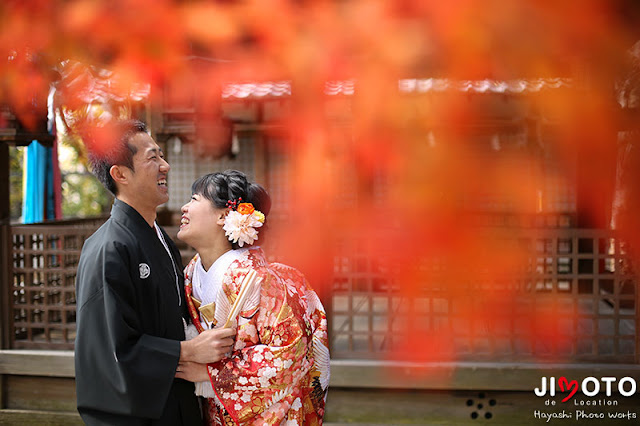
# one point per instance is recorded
(278, 370)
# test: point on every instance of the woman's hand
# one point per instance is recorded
(192, 371)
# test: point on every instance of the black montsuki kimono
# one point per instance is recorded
(129, 327)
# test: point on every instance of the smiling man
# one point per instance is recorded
(130, 304)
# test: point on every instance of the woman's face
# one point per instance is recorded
(200, 221)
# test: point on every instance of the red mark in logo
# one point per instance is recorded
(566, 385)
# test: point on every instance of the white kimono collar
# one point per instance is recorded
(206, 284)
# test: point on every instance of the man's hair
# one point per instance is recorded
(108, 146)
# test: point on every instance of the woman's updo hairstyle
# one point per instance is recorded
(231, 185)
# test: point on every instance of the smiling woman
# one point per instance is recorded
(278, 371)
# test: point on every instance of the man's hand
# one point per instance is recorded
(192, 371)
(208, 346)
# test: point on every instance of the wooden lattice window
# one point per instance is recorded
(580, 278)
(43, 288)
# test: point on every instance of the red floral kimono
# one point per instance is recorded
(278, 371)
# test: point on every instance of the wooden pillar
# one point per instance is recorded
(5, 215)
(595, 131)
(260, 158)
(5, 252)
(595, 179)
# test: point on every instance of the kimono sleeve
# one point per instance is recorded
(269, 360)
(120, 369)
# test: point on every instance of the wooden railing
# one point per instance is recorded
(574, 299)
(42, 299)
(42, 291)
(580, 277)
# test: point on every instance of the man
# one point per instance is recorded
(130, 303)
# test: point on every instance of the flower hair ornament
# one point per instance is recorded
(241, 222)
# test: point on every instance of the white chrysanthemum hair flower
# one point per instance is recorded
(240, 225)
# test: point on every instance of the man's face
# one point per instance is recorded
(148, 183)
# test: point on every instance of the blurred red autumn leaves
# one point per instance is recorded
(306, 42)
(375, 44)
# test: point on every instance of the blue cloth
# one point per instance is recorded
(34, 192)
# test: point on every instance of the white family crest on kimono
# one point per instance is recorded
(278, 371)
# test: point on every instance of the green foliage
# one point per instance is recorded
(83, 195)
(16, 157)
